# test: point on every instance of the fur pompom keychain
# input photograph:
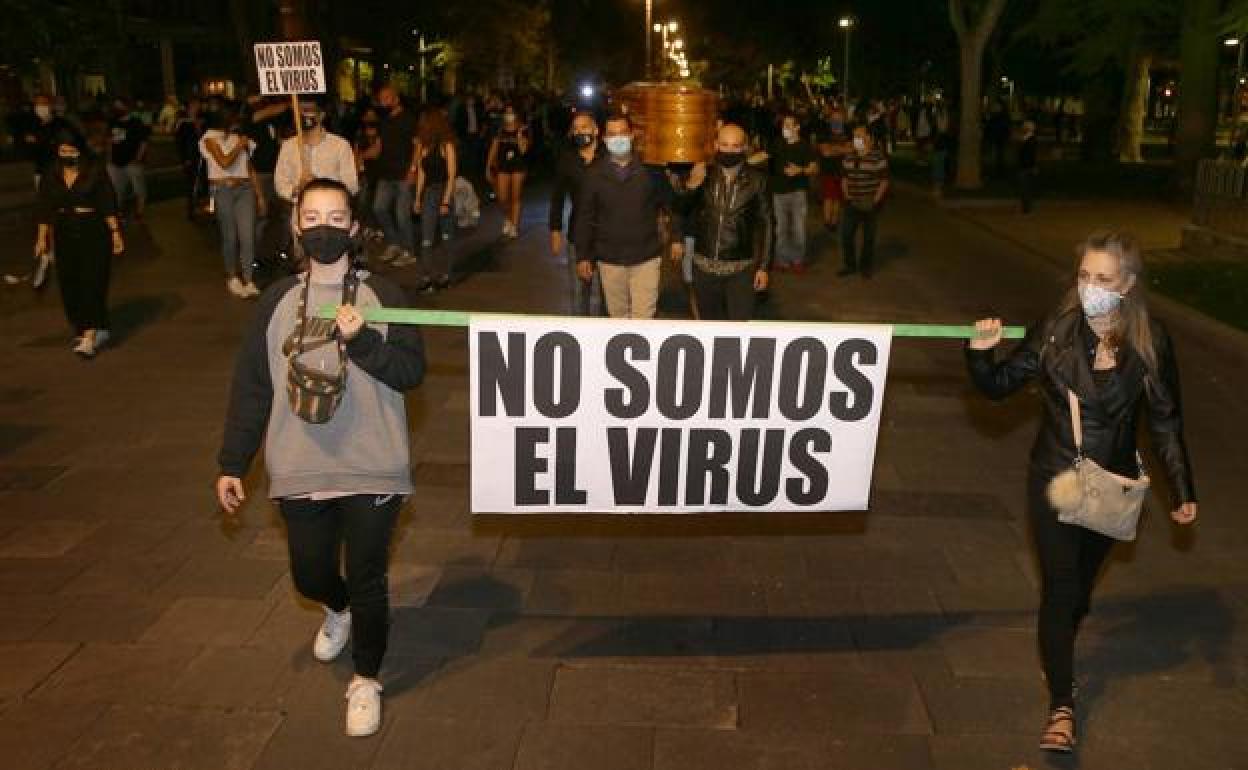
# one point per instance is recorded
(1065, 491)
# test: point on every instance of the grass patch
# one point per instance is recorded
(1217, 288)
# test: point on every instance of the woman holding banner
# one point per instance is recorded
(1100, 360)
(336, 435)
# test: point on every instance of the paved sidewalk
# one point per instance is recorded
(140, 631)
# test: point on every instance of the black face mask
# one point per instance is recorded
(309, 121)
(729, 159)
(70, 162)
(582, 140)
(326, 244)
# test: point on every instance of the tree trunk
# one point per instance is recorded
(970, 124)
(972, 38)
(1134, 108)
(1198, 88)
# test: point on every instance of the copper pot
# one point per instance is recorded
(674, 123)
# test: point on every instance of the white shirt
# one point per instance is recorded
(227, 143)
(331, 158)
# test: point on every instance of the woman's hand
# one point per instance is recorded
(230, 493)
(761, 280)
(1184, 514)
(988, 332)
(119, 244)
(42, 247)
(350, 322)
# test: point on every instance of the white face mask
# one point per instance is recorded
(860, 144)
(1098, 301)
(790, 134)
(43, 111)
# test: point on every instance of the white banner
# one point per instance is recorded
(580, 415)
(290, 68)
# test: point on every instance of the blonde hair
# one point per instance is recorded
(1135, 329)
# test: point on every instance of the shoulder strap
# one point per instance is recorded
(1076, 421)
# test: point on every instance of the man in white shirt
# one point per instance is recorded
(324, 156)
(236, 198)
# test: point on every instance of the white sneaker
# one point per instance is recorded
(333, 635)
(85, 347)
(251, 290)
(363, 708)
(235, 287)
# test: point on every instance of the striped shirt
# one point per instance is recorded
(864, 174)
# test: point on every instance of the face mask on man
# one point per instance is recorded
(860, 144)
(326, 244)
(70, 161)
(1097, 300)
(509, 119)
(619, 146)
(309, 120)
(790, 134)
(582, 140)
(729, 159)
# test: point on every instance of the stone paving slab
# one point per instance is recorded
(168, 736)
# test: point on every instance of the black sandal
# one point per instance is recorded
(1055, 738)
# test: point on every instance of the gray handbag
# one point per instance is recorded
(1091, 497)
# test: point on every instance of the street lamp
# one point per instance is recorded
(846, 23)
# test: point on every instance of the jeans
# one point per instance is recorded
(432, 225)
(236, 216)
(127, 179)
(724, 297)
(392, 203)
(587, 299)
(1070, 558)
(632, 291)
(790, 211)
(851, 218)
(316, 532)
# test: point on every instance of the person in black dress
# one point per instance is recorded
(77, 217)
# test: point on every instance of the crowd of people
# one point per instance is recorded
(405, 177)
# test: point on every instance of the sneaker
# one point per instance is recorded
(40, 276)
(363, 707)
(101, 338)
(404, 259)
(235, 287)
(251, 290)
(332, 636)
(85, 347)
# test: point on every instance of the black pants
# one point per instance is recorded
(851, 219)
(724, 297)
(1027, 189)
(1070, 558)
(317, 531)
(84, 257)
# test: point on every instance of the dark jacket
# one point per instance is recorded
(731, 221)
(570, 172)
(1060, 351)
(617, 215)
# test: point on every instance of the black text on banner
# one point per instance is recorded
(586, 415)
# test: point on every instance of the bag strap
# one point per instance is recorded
(1076, 421)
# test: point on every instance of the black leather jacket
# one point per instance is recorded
(730, 220)
(1059, 351)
